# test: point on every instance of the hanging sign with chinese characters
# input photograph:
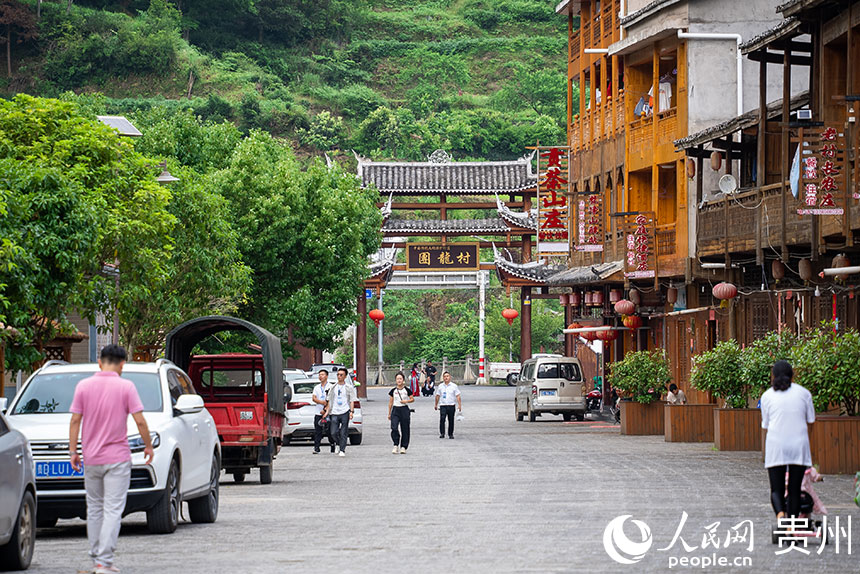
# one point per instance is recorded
(589, 220)
(822, 171)
(641, 256)
(442, 257)
(553, 208)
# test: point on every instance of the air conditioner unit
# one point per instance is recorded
(804, 114)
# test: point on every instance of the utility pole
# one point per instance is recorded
(482, 276)
(379, 330)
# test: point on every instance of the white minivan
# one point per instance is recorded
(550, 384)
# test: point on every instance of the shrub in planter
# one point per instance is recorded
(758, 358)
(826, 363)
(641, 375)
(718, 372)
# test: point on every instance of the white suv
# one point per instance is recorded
(187, 461)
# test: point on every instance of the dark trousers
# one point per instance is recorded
(776, 474)
(446, 412)
(400, 419)
(339, 429)
(319, 432)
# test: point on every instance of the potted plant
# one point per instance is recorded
(641, 378)
(826, 362)
(720, 372)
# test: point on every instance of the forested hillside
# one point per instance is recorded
(388, 78)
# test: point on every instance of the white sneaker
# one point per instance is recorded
(395, 450)
(341, 453)
(402, 451)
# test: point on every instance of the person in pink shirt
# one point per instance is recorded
(101, 405)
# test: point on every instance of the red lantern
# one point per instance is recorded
(632, 321)
(510, 315)
(588, 335)
(725, 291)
(588, 298)
(804, 269)
(615, 296)
(777, 268)
(607, 335)
(840, 261)
(671, 295)
(574, 326)
(636, 297)
(563, 299)
(575, 299)
(377, 316)
(597, 298)
(716, 160)
(625, 307)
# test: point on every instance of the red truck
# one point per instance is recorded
(244, 393)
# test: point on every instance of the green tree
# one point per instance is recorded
(307, 235)
(204, 275)
(325, 132)
(16, 17)
(719, 372)
(536, 87)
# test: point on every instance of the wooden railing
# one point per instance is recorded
(667, 125)
(640, 135)
(607, 119)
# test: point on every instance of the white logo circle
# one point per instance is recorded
(622, 549)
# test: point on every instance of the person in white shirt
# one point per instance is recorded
(319, 399)
(400, 397)
(786, 412)
(341, 400)
(676, 396)
(447, 397)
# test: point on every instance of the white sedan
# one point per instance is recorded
(187, 461)
(301, 410)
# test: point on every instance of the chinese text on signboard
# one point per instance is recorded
(590, 223)
(442, 257)
(553, 208)
(641, 257)
(822, 179)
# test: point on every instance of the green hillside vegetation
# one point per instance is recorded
(390, 79)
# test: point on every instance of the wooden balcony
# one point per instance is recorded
(602, 122)
(640, 146)
(666, 241)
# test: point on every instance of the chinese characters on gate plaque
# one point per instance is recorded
(553, 208)
(442, 257)
(822, 177)
(639, 232)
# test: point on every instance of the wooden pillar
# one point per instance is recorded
(761, 156)
(727, 254)
(568, 339)
(525, 323)
(361, 347)
(318, 356)
(786, 149)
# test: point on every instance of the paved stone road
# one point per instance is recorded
(502, 497)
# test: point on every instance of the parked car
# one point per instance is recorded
(332, 371)
(294, 374)
(300, 414)
(18, 502)
(550, 384)
(187, 457)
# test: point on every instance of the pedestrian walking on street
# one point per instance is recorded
(100, 408)
(399, 413)
(319, 399)
(447, 397)
(414, 380)
(786, 412)
(339, 410)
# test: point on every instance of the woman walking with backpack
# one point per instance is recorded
(399, 399)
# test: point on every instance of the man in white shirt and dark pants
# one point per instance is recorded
(341, 398)
(447, 398)
(319, 398)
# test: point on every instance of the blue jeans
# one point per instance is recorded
(339, 429)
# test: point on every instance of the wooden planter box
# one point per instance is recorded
(737, 429)
(639, 419)
(835, 444)
(689, 423)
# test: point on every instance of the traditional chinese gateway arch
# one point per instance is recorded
(503, 191)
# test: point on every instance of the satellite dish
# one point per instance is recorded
(728, 184)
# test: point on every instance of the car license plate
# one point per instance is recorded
(56, 469)
(550, 393)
